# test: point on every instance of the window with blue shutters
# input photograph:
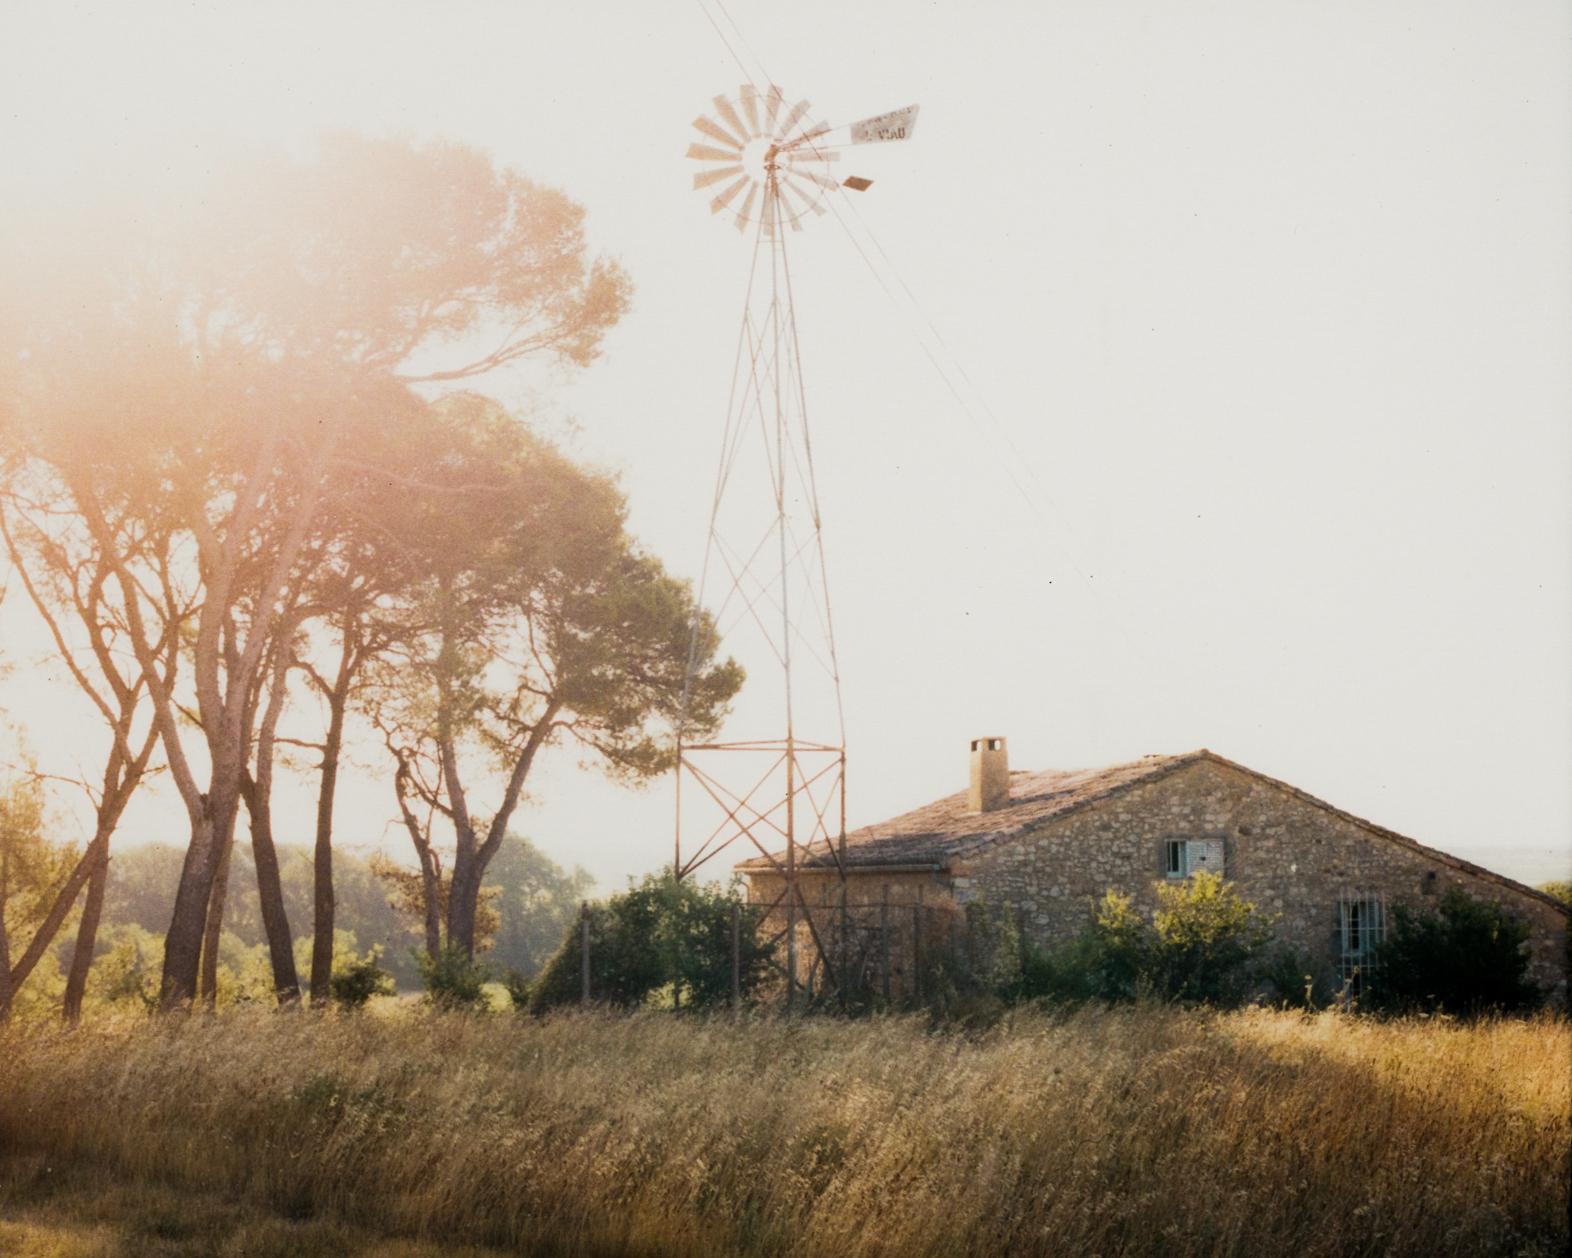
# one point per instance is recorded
(1183, 857)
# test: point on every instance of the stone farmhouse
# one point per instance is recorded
(1048, 845)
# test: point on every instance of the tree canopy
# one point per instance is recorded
(222, 406)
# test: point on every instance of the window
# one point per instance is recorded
(1182, 857)
(1361, 926)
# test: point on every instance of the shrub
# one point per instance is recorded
(1206, 938)
(1468, 957)
(1068, 974)
(1561, 890)
(357, 980)
(519, 987)
(1121, 948)
(453, 981)
(1199, 947)
(660, 934)
(129, 971)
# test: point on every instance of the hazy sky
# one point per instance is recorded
(1250, 425)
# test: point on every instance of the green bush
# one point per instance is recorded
(1559, 890)
(356, 981)
(660, 936)
(454, 981)
(1468, 957)
(1203, 944)
(1121, 948)
(1110, 960)
(1206, 940)
(1068, 974)
(519, 987)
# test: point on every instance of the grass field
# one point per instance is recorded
(1142, 1130)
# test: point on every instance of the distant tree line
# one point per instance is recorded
(531, 902)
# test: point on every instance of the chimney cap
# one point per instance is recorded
(988, 744)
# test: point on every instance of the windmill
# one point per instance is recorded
(779, 791)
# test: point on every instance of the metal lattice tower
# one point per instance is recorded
(780, 787)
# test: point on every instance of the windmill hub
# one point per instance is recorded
(758, 157)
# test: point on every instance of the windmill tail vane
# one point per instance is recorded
(775, 162)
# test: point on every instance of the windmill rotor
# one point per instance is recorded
(752, 140)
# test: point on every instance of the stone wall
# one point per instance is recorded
(1287, 854)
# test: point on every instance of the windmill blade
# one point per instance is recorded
(814, 201)
(813, 133)
(705, 178)
(773, 101)
(800, 194)
(706, 154)
(724, 109)
(702, 123)
(750, 105)
(818, 177)
(747, 207)
(794, 117)
(720, 201)
(898, 124)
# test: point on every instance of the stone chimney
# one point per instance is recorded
(990, 786)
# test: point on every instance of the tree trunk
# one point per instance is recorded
(258, 794)
(323, 903)
(87, 932)
(6, 987)
(470, 860)
(270, 892)
(210, 834)
(118, 789)
(214, 926)
(463, 897)
(183, 939)
(59, 910)
(431, 882)
(430, 867)
(224, 706)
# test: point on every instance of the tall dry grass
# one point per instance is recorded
(1137, 1130)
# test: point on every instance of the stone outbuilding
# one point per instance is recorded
(1046, 846)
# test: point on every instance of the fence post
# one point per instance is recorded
(736, 956)
(884, 942)
(584, 952)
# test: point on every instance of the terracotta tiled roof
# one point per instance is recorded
(938, 832)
